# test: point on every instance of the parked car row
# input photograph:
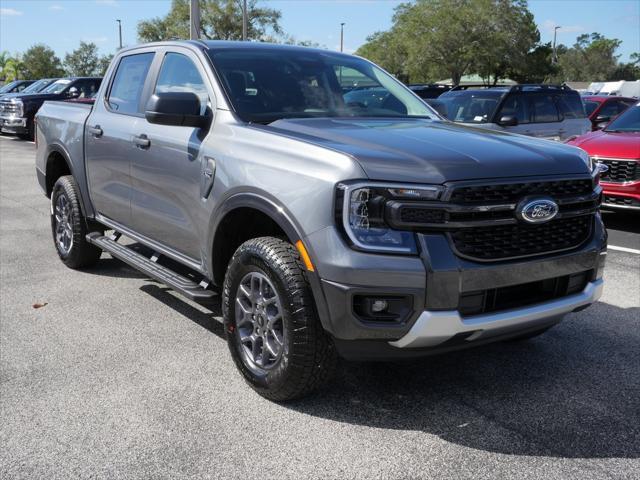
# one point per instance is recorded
(18, 109)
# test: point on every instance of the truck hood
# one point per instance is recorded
(418, 150)
(610, 144)
(30, 97)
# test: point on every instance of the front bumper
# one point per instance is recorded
(435, 283)
(12, 124)
(625, 196)
(437, 327)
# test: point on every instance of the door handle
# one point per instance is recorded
(95, 131)
(142, 141)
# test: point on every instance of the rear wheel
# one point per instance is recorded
(273, 332)
(69, 226)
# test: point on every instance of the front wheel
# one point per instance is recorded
(69, 226)
(273, 332)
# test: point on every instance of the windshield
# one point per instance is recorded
(6, 88)
(590, 106)
(267, 85)
(628, 121)
(37, 86)
(469, 106)
(57, 86)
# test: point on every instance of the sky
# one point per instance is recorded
(62, 24)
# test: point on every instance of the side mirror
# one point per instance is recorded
(180, 109)
(508, 121)
(601, 121)
(73, 92)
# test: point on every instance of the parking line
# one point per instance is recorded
(624, 249)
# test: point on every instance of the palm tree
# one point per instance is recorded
(12, 69)
(4, 56)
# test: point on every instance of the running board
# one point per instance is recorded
(181, 284)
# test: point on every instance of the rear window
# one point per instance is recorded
(128, 82)
(571, 106)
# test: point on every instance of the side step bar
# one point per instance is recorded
(181, 284)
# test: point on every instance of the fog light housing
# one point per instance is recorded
(383, 308)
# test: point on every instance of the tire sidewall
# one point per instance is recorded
(246, 262)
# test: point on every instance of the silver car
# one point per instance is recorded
(551, 112)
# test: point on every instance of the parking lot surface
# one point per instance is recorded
(118, 377)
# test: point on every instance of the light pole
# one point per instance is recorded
(342, 36)
(555, 33)
(194, 20)
(244, 20)
(120, 32)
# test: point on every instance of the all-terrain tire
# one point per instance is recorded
(308, 359)
(80, 254)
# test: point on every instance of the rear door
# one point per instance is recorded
(166, 174)
(109, 137)
(546, 121)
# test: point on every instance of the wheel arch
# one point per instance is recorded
(57, 164)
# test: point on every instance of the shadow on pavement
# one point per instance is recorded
(620, 220)
(573, 392)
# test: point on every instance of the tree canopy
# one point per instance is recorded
(85, 61)
(40, 61)
(219, 20)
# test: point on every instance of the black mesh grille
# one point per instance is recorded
(421, 215)
(622, 201)
(620, 171)
(519, 240)
(513, 192)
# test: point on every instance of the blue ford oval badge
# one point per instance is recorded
(537, 211)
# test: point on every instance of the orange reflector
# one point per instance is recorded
(305, 256)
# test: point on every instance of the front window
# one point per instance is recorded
(590, 106)
(629, 121)
(265, 85)
(57, 86)
(179, 74)
(470, 106)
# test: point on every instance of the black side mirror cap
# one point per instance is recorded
(508, 121)
(181, 109)
(602, 119)
(73, 93)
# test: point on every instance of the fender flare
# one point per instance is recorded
(62, 151)
(268, 205)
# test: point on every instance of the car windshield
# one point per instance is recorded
(57, 86)
(6, 88)
(37, 86)
(265, 85)
(628, 121)
(469, 106)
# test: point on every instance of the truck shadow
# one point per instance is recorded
(620, 220)
(573, 392)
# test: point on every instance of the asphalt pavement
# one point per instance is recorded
(115, 376)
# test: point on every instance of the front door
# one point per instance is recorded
(167, 168)
(108, 138)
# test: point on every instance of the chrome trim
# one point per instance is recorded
(435, 327)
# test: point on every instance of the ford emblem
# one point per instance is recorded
(537, 211)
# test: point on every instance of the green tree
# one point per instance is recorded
(591, 59)
(386, 50)
(4, 57)
(537, 66)
(629, 70)
(431, 39)
(220, 20)
(14, 69)
(41, 62)
(84, 61)
(103, 64)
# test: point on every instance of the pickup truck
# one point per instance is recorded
(17, 112)
(237, 172)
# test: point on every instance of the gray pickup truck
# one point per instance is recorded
(330, 224)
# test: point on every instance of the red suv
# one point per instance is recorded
(618, 147)
(602, 108)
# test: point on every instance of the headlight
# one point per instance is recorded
(587, 160)
(361, 212)
(19, 108)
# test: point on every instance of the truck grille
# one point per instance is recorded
(519, 240)
(7, 108)
(513, 192)
(621, 201)
(620, 171)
